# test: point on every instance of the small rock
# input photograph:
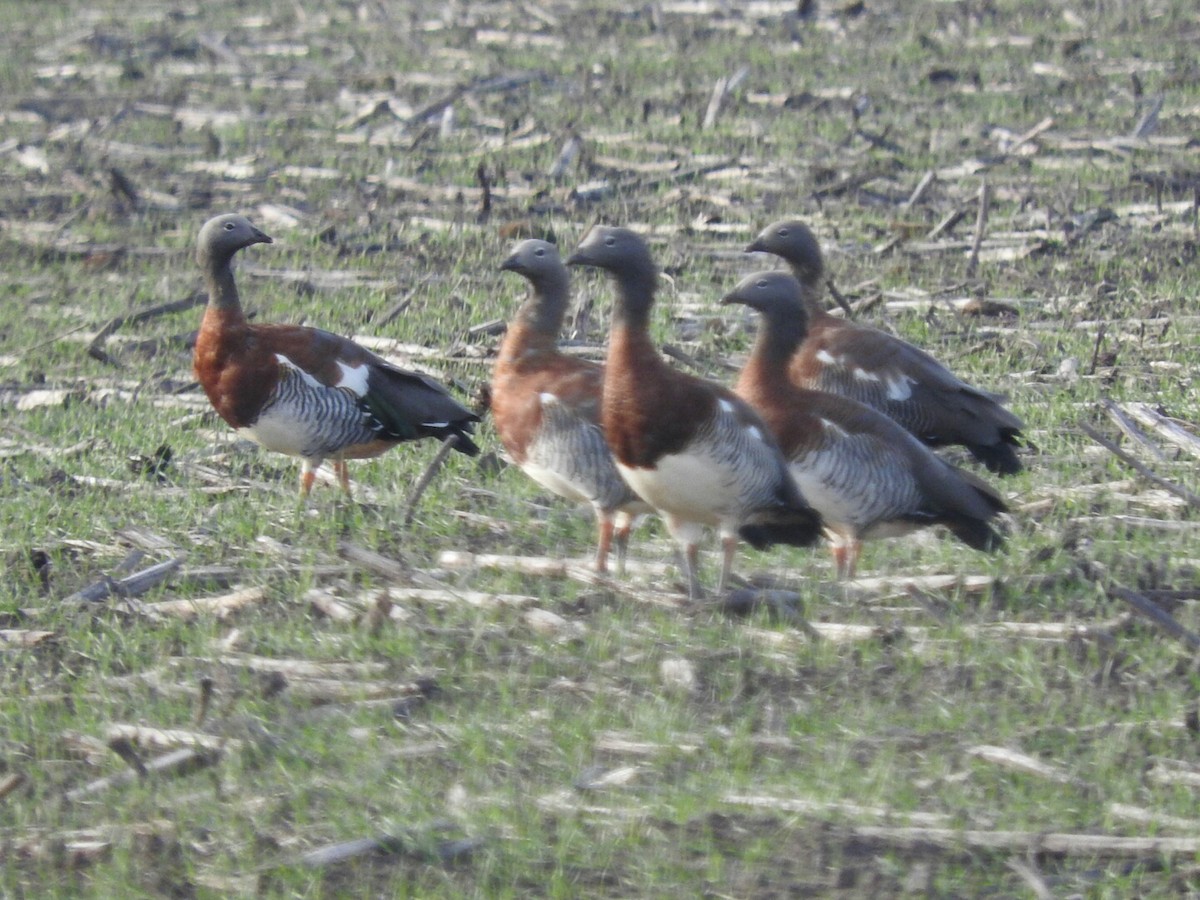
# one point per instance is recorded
(678, 674)
(1068, 369)
(597, 777)
(550, 624)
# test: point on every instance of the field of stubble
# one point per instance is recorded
(207, 689)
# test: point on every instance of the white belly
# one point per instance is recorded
(279, 432)
(687, 486)
(553, 481)
(831, 504)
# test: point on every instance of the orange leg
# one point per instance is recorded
(621, 539)
(343, 473)
(845, 557)
(605, 522)
(308, 474)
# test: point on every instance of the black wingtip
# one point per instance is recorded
(463, 429)
(979, 534)
(801, 533)
(465, 444)
(1000, 457)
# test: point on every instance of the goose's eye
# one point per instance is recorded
(610, 241)
(229, 226)
(783, 232)
(762, 284)
(540, 251)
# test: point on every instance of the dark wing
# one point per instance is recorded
(778, 512)
(911, 387)
(403, 405)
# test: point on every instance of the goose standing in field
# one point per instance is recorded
(887, 373)
(546, 405)
(865, 475)
(690, 448)
(303, 391)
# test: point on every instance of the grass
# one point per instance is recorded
(512, 755)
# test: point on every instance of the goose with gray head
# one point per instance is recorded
(867, 476)
(886, 373)
(546, 405)
(303, 391)
(692, 449)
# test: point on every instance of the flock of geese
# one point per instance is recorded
(827, 432)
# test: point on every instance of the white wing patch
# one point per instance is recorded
(864, 375)
(834, 429)
(899, 387)
(288, 364)
(354, 378)
(730, 410)
(824, 356)
(547, 399)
